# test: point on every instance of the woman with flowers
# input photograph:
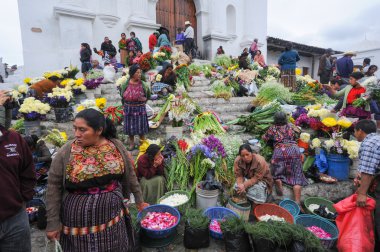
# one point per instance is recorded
(286, 160)
(150, 171)
(252, 175)
(165, 81)
(134, 94)
(88, 181)
(350, 94)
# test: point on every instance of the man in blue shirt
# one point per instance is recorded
(345, 66)
(369, 165)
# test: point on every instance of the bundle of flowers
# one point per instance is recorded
(298, 111)
(167, 50)
(147, 62)
(215, 145)
(59, 74)
(59, 98)
(372, 92)
(70, 72)
(308, 122)
(30, 81)
(274, 71)
(183, 76)
(305, 137)
(86, 104)
(122, 80)
(180, 110)
(95, 74)
(159, 56)
(114, 113)
(67, 82)
(22, 89)
(16, 95)
(338, 145)
(93, 83)
(78, 86)
(221, 90)
(33, 109)
(55, 137)
(101, 103)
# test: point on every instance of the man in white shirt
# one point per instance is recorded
(189, 39)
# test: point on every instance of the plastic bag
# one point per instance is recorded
(109, 74)
(53, 246)
(355, 224)
(321, 161)
(236, 242)
(210, 183)
(196, 238)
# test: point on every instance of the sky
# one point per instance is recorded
(339, 24)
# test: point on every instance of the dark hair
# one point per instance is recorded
(289, 46)
(336, 81)
(246, 147)
(258, 51)
(87, 46)
(179, 29)
(133, 33)
(31, 141)
(53, 78)
(280, 118)
(368, 126)
(367, 61)
(357, 75)
(372, 66)
(122, 34)
(133, 69)
(152, 151)
(96, 120)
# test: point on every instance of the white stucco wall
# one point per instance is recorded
(59, 26)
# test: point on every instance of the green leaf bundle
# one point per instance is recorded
(196, 219)
(223, 61)
(233, 225)
(271, 91)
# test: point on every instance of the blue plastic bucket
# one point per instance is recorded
(339, 166)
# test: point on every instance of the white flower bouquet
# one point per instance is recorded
(33, 109)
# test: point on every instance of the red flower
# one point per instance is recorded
(182, 145)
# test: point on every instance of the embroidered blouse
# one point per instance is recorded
(281, 134)
(133, 92)
(93, 166)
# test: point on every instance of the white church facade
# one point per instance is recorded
(52, 30)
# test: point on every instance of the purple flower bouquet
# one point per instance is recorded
(93, 83)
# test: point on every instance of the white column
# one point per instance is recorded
(139, 8)
(217, 13)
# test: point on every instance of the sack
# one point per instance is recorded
(53, 246)
(236, 242)
(109, 74)
(196, 238)
(355, 224)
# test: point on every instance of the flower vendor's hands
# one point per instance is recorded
(158, 161)
(357, 180)
(241, 188)
(53, 235)
(142, 205)
(361, 200)
(4, 96)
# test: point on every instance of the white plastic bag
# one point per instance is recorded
(109, 74)
(53, 246)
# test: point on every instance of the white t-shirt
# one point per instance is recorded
(189, 32)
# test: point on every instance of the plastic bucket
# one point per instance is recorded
(32, 128)
(339, 166)
(206, 198)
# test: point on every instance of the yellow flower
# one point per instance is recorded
(158, 77)
(298, 71)
(22, 89)
(80, 108)
(65, 82)
(101, 102)
(291, 119)
(344, 122)
(315, 143)
(329, 122)
(63, 135)
(79, 81)
(27, 80)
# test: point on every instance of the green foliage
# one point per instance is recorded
(233, 225)
(223, 61)
(196, 219)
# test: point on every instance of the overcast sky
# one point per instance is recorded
(338, 24)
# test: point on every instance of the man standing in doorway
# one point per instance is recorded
(189, 39)
(325, 67)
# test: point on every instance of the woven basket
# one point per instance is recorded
(292, 207)
(319, 201)
(273, 209)
(181, 208)
(218, 213)
(308, 220)
(242, 211)
(157, 234)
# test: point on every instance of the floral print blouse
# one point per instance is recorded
(93, 166)
(281, 134)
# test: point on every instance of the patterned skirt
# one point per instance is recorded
(287, 165)
(87, 210)
(288, 78)
(135, 119)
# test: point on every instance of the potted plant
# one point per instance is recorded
(234, 234)
(196, 234)
(60, 99)
(33, 111)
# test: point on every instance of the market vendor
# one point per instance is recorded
(150, 171)
(350, 93)
(252, 175)
(167, 82)
(286, 160)
(243, 59)
(43, 87)
(40, 151)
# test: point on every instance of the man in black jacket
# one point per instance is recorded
(17, 181)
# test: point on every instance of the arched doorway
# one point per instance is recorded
(172, 14)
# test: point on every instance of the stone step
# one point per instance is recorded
(201, 83)
(233, 100)
(200, 94)
(199, 88)
(226, 117)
